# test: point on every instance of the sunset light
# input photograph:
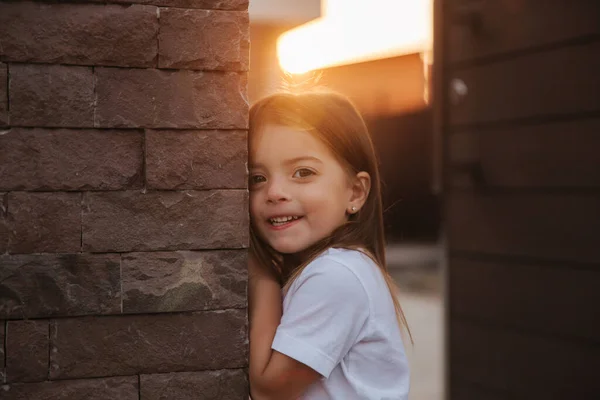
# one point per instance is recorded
(352, 31)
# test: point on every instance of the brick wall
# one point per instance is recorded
(123, 201)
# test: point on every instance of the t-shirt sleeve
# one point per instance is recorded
(323, 314)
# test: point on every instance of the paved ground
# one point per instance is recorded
(416, 269)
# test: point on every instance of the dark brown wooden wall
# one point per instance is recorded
(123, 201)
(518, 109)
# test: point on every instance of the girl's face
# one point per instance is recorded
(299, 192)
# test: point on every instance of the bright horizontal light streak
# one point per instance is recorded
(354, 31)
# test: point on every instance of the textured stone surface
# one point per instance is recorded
(51, 95)
(184, 281)
(204, 385)
(66, 159)
(41, 285)
(170, 99)
(81, 34)
(3, 224)
(44, 222)
(27, 351)
(196, 159)
(204, 4)
(135, 221)
(2, 328)
(203, 39)
(99, 346)
(3, 94)
(118, 388)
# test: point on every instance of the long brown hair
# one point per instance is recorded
(335, 121)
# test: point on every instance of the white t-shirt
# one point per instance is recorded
(339, 319)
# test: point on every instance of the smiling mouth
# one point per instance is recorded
(282, 221)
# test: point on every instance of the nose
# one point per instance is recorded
(277, 191)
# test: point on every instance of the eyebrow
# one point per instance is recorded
(292, 161)
(303, 158)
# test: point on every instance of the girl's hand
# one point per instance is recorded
(272, 375)
(261, 281)
(258, 271)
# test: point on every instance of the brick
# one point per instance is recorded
(239, 5)
(65, 159)
(79, 34)
(43, 285)
(101, 346)
(203, 385)
(203, 39)
(51, 95)
(44, 222)
(184, 281)
(117, 388)
(3, 94)
(2, 328)
(190, 220)
(27, 351)
(196, 159)
(3, 224)
(171, 99)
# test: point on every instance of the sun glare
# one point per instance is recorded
(352, 31)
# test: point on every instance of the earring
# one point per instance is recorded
(353, 209)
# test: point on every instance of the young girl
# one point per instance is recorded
(324, 319)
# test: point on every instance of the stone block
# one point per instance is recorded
(101, 346)
(3, 224)
(153, 98)
(196, 159)
(67, 159)
(44, 222)
(42, 285)
(51, 95)
(117, 388)
(184, 281)
(2, 359)
(238, 5)
(203, 39)
(202, 385)
(27, 351)
(162, 220)
(3, 94)
(81, 34)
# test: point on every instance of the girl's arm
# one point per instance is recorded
(272, 375)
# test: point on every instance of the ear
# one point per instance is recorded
(361, 186)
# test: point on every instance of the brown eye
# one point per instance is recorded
(256, 179)
(303, 173)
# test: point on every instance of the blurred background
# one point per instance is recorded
(486, 122)
(380, 57)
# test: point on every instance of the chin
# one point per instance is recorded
(285, 247)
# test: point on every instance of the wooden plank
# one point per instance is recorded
(549, 227)
(564, 81)
(460, 390)
(551, 155)
(527, 367)
(562, 301)
(479, 28)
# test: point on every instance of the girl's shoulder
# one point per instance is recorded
(352, 259)
(335, 259)
(334, 278)
(341, 266)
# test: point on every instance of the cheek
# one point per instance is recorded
(254, 204)
(324, 208)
